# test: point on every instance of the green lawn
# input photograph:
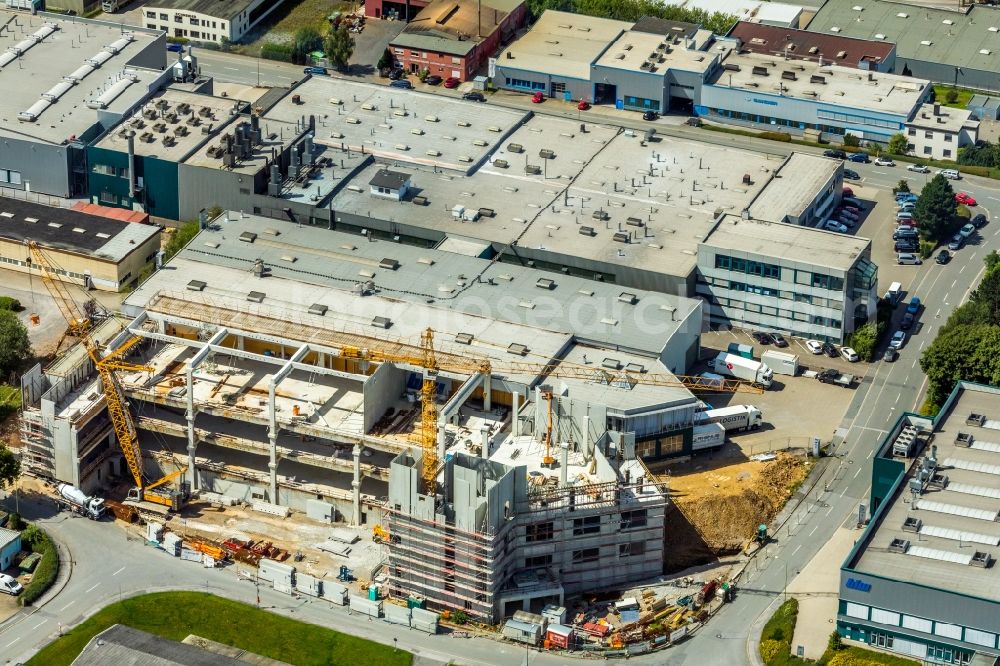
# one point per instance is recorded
(281, 25)
(10, 400)
(176, 615)
(941, 96)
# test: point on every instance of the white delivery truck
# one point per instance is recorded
(743, 368)
(708, 436)
(782, 363)
(732, 418)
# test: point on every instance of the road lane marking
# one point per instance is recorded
(962, 268)
(842, 493)
(883, 173)
(830, 510)
(914, 364)
(952, 286)
(814, 530)
(870, 454)
(13, 641)
(67, 606)
(897, 397)
(796, 550)
(235, 69)
(94, 587)
(39, 624)
(857, 472)
(118, 572)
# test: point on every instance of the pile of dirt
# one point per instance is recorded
(717, 511)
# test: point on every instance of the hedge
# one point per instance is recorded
(48, 567)
(271, 51)
(10, 303)
(776, 136)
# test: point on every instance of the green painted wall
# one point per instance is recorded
(159, 194)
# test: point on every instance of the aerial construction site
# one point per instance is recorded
(481, 450)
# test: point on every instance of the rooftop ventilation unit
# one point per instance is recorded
(814, 50)
(432, 119)
(587, 231)
(389, 264)
(634, 222)
(628, 297)
(788, 76)
(464, 123)
(464, 338)
(898, 545)
(318, 309)
(620, 237)
(419, 200)
(545, 283)
(500, 164)
(381, 322)
(256, 296)
(533, 169)
(912, 525)
(815, 78)
(494, 128)
(636, 368)
(546, 154)
(841, 54)
(948, 22)
(926, 42)
(248, 237)
(834, 29)
(731, 67)
(515, 147)
(517, 349)
(480, 142)
(902, 15)
(611, 364)
(879, 35)
(601, 215)
(759, 71)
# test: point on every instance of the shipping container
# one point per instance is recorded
(522, 632)
(782, 363)
(737, 349)
(366, 606)
(559, 635)
(708, 436)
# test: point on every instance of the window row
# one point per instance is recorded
(8, 176)
(857, 120)
(109, 170)
(787, 315)
(524, 84)
(748, 266)
(818, 301)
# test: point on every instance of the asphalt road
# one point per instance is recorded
(107, 566)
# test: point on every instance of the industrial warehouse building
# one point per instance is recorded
(89, 250)
(207, 20)
(922, 579)
(64, 82)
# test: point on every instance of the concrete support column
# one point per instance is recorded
(485, 434)
(515, 425)
(587, 448)
(356, 486)
(540, 416)
(563, 463)
(192, 443)
(487, 392)
(272, 466)
(441, 439)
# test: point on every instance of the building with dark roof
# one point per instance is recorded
(125, 646)
(452, 38)
(830, 49)
(85, 249)
(207, 20)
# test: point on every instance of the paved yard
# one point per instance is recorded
(370, 44)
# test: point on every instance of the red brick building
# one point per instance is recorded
(399, 10)
(455, 38)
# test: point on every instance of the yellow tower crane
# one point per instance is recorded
(81, 326)
(432, 363)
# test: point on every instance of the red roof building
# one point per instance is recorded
(866, 54)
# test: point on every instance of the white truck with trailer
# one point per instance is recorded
(743, 368)
(708, 436)
(733, 418)
(77, 500)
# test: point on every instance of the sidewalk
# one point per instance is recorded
(817, 588)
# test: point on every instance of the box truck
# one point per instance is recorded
(732, 418)
(79, 501)
(708, 436)
(782, 363)
(743, 368)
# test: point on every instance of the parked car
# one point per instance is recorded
(907, 322)
(829, 350)
(851, 201)
(884, 161)
(943, 257)
(913, 307)
(834, 225)
(904, 233)
(898, 340)
(176, 48)
(762, 338)
(396, 74)
(890, 355)
(402, 83)
(538, 97)
(650, 115)
(848, 213)
(474, 96)
(847, 192)
(851, 174)
(814, 346)
(908, 259)
(318, 71)
(919, 168)
(950, 174)
(979, 221)
(9, 585)
(859, 157)
(779, 340)
(967, 230)
(583, 105)
(451, 82)
(906, 245)
(905, 197)
(849, 354)
(433, 80)
(956, 243)
(965, 199)
(836, 154)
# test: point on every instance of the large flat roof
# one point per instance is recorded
(942, 118)
(830, 84)
(454, 26)
(67, 73)
(71, 231)
(956, 520)
(947, 37)
(564, 44)
(396, 124)
(791, 242)
(630, 319)
(795, 185)
(807, 45)
(225, 9)
(171, 125)
(603, 195)
(651, 53)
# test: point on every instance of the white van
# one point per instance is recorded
(894, 293)
(9, 585)
(908, 258)
(950, 174)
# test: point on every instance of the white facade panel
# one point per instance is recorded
(948, 630)
(857, 610)
(978, 637)
(885, 617)
(917, 623)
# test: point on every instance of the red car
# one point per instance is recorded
(451, 82)
(583, 105)
(964, 199)
(538, 97)
(848, 192)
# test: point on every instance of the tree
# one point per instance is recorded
(951, 96)
(306, 41)
(15, 348)
(852, 140)
(968, 352)
(386, 61)
(181, 237)
(863, 341)
(897, 144)
(902, 186)
(10, 467)
(992, 259)
(339, 46)
(935, 209)
(987, 297)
